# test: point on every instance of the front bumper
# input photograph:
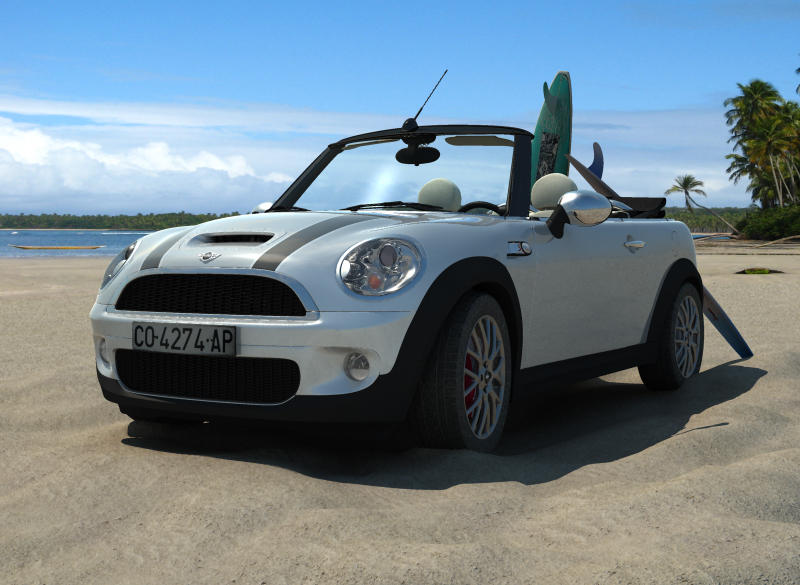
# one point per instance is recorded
(386, 400)
(317, 344)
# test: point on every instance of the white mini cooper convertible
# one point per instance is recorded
(407, 274)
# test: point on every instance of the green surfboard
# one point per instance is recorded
(553, 134)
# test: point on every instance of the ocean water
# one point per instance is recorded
(699, 236)
(112, 242)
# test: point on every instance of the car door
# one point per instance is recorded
(593, 290)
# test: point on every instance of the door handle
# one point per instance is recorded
(634, 244)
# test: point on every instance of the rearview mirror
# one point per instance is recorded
(581, 208)
(417, 155)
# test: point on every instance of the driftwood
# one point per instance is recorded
(778, 241)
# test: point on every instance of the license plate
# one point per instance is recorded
(195, 339)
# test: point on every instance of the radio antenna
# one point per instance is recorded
(411, 123)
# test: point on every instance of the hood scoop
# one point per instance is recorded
(239, 239)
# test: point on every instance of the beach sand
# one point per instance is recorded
(601, 482)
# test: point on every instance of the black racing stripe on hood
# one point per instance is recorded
(154, 258)
(278, 253)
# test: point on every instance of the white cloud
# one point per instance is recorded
(249, 117)
(39, 172)
(33, 146)
(163, 157)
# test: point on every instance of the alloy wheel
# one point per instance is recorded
(484, 377)
(687, 336)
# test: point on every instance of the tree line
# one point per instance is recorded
(138, 222)
(701, 221)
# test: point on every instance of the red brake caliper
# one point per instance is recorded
(469, 399)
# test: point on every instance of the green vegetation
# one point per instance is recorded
(771, 224)
(701, 221)
(150, 221)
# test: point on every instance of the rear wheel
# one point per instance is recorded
(680, 346)
(463, 398)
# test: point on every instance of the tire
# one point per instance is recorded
(460, 403)
(680, 343)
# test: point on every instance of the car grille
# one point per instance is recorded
(201, 377)
(217, 294)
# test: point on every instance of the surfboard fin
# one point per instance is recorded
(550, 99)
(597, 164)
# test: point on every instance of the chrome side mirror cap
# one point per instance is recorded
(581, 208)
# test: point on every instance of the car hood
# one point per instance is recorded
(306, 247)
(276, 237)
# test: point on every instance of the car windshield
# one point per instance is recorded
(468, 169)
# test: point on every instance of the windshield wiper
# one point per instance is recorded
(411, 204)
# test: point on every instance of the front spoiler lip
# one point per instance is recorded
(382, 401)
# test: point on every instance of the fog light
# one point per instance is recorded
(102, 349)
(356, 366)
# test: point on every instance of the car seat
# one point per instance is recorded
(546, 192)
(442, 192)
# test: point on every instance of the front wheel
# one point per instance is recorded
(680, 344)
(463, 398)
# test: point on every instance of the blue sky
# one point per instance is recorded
(124, 107)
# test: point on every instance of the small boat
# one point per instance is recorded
(56, 247)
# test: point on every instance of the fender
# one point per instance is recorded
(681, 271)
(475, 273)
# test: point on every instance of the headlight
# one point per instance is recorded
(117, 263)
(379, 267)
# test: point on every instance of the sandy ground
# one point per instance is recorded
(604, 482)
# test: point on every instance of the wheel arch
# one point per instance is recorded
(681, 271)
(481, 274)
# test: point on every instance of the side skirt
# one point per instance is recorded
(588, 366)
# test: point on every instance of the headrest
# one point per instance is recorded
(547, 190)
(441, 192)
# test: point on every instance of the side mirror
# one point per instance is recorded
(581, 208)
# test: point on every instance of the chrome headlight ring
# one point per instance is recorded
(380, 266)
(118, 262)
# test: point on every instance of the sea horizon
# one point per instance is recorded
(109, 241)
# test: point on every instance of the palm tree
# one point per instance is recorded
(763, 191)
(762, 125)
(772, 138)
(689, 184)
(757, 101)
